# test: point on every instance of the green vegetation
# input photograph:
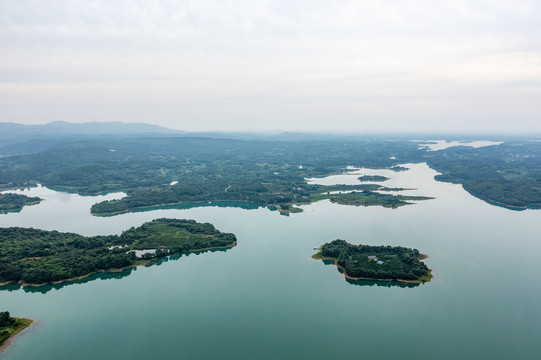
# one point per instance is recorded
(507, 175)
(372, 178)
(369, 198)
(279, 195)
(32, 256)
(273, 194)
(399, 168)
(266, 171)
(16, 202)
(286, 209)
(10, 326)
(92, 166)
(388, 263)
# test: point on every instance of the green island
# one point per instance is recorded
(279, 195)
(383, 263)
(372, 178)
(10, 327)
(34, 257)
(399, 168)
(369, 198)
(16, 202)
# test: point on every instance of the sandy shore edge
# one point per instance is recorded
(8, 341)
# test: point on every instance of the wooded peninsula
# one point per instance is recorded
(384, 263)
(36, 257)
(280, 195)
(10, 326)
(16, 202)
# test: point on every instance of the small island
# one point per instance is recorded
(16, 202)
(383, 263)
(10, 327)
(369, 198)
(33, 257)
(372, 178)
(398, 168)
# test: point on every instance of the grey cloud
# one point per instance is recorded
(262, 64)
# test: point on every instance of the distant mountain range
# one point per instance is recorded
(17, 139)
(63, 128)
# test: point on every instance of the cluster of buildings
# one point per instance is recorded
(379, 262)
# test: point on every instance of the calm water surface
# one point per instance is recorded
(435, 145)
(267, 299)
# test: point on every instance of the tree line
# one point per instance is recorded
(397, 262)
(38, 256)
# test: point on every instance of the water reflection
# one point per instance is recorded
(190, 205)
(12, 211)
(381, 283)
(105, 275)
(372, 282)
(48, 287)
(177, 256)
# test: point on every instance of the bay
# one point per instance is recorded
(267, 299)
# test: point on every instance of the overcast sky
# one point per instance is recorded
(378, 65)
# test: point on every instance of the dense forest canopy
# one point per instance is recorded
(16, 202)
(278, 194)
(376, 262)
(36, 256)
(508, 174)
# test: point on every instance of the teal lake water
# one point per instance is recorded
(267, 299)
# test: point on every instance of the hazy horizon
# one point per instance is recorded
(423, 135)
(260, 66)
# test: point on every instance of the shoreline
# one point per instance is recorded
(153, 207)
(113, 270)
(499, 203)
(347, 276)
(19, 331)
(140, 262)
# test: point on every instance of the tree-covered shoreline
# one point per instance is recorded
(34, 257)
(278, 195)
(15, 202)
(507, 175)
(384, 263)
(372, 178)
(370, 198)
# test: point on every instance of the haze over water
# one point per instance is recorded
(267, 299)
